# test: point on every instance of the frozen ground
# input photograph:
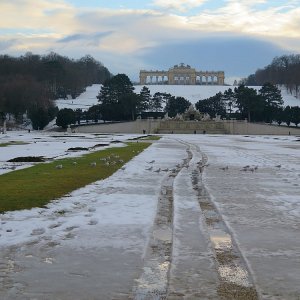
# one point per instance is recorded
(193, 93)
(192, 217)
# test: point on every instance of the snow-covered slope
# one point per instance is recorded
(193, 93)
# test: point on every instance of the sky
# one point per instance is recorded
(234, 36)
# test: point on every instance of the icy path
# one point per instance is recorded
(167, 228)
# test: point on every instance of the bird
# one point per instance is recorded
(58, 167)
(245, 168)
(74, 163)
(278, 166)
(93, 164)
(151, 162)
(224, 168)
(149, 169)
(157, 171)
(165, 170)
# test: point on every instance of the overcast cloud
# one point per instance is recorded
(154, 34)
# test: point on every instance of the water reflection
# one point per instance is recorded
(220, 239)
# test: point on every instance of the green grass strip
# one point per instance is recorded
(152, 137)
(12, 143)
(38, 185)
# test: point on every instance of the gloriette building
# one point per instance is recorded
(182, 75)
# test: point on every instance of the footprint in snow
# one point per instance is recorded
(38, 231)
(70, 228)
(54, 225)
(93, 222)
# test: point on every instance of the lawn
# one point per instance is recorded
(12, 143)
(38, 185)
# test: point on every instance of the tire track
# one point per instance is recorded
(153, 282)
(235, 279)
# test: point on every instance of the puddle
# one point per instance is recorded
(220, 239)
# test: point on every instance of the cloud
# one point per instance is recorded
(179, 5)
(132, 38)
(228, 53)
(6, 44)
(95, 37)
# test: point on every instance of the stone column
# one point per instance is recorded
(193, 79)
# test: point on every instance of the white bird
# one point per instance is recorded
(74, 163)
(58, 167)
(93, 164)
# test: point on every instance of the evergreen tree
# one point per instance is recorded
(65, 117)
(176, 105)
(249, 104)
(157, 102)
(295, 115)
(272, 100)
(145, 99)
(117, 101)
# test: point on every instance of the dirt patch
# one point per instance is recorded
(231, 291)
(211, 221)
(28, 159)
(78, 149)
(225, 257)
(100, 145)
(206, 206)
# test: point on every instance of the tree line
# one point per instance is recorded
(30, 83)
(264, 105)
(118, 102)
(283, 70)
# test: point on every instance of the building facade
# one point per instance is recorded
(182, 75)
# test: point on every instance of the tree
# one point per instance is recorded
(287, 115)
(249, 104)
(176, 105)
(93, 113)
(272, 100)
(157, 102)
(229, 99)
(279, 115)
(295, 115)
(145, 99)
(213, 106)
(117, 101)
(65, 117)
